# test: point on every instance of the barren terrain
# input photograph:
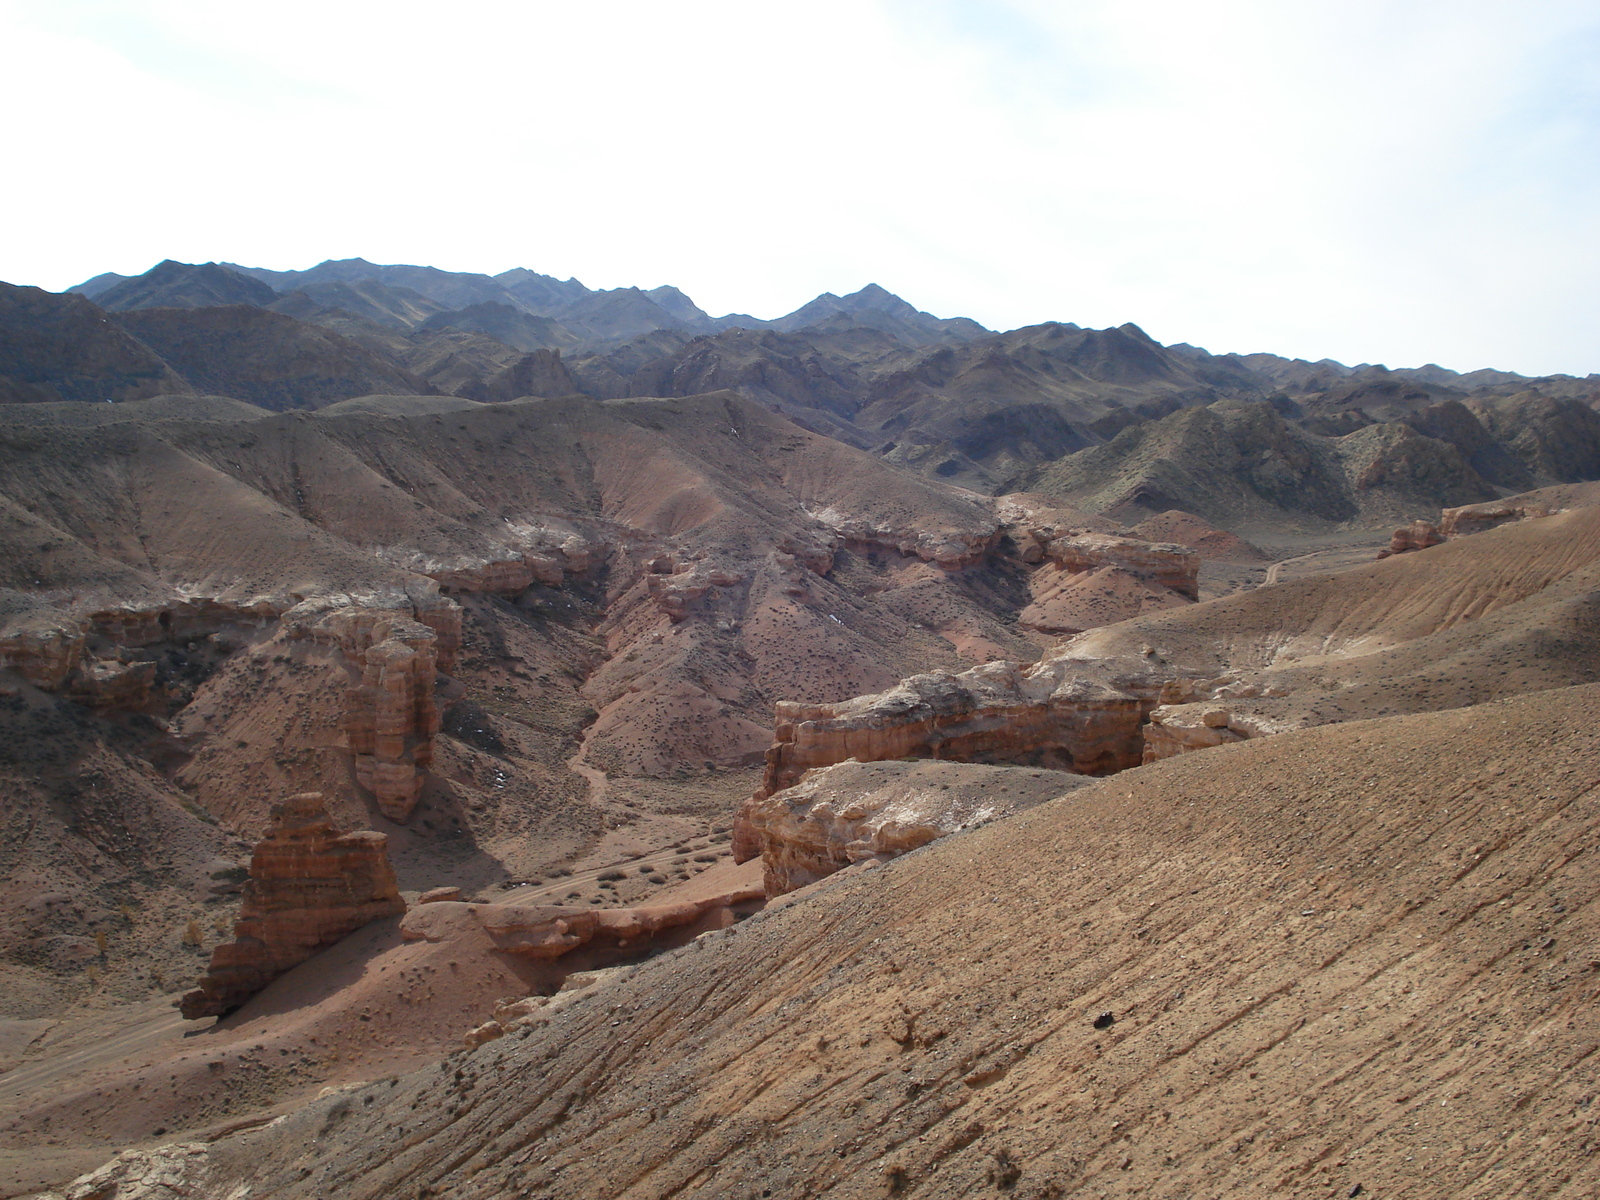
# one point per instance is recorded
(586, 599)
(1359, 956)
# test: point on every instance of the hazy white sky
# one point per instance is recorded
(1392, 181)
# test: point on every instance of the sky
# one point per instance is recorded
(1395, 181)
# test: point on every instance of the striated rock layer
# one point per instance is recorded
(1065, 714)
(855, 812)
(1176, 568)
(1419, 535)
(547, 932)
(310, 886)
(390, 716)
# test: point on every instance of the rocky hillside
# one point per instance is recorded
(1347, 961)
(858, 753)
(427, 608)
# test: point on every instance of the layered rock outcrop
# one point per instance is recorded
(852, 812)
(548, 932)
(1163, 564)
(310, 886)
(948, 547)
(1063, 714)
(1086, 579)
(390, 715)
(44, 651)
(1475, 518)
(391, 719)
(1418, 535)
(88, 655)
(537, 555)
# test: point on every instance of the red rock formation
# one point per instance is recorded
(1418, 535)
(1174, 731)
(43, 651)
(1183, 728)
(1475, 518)
(390, 716)
(1086, 580)
(534, 555)
(501, 576)
(309, 887)
(1064, 714)
(1068, 602)
(1176, 568)
(948, 547)
(79, 654)
(852, 812)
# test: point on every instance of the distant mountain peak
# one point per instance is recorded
(173, 284)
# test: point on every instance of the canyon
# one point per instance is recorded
(898, 696)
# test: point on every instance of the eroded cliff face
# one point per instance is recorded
(856, 812)
(310, 886)
(1086, 576)
(1083, 716)
(390, 716)
(135, 660)
(129, 658)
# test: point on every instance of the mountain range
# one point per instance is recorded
(1094, 417)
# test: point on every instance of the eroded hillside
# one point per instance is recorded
(1356, 959)
(508, 635)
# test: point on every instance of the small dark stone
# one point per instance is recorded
(1105, 1020)
(1356, 1191)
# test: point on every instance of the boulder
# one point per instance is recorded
(1418, 535)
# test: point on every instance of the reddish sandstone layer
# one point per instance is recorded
(853, 812)
(547, 932)
(390, 716)
(1176, 568)
(1418, 535)
(310, 886)
(1088, 579)
(95, 656)
(1062, 714)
